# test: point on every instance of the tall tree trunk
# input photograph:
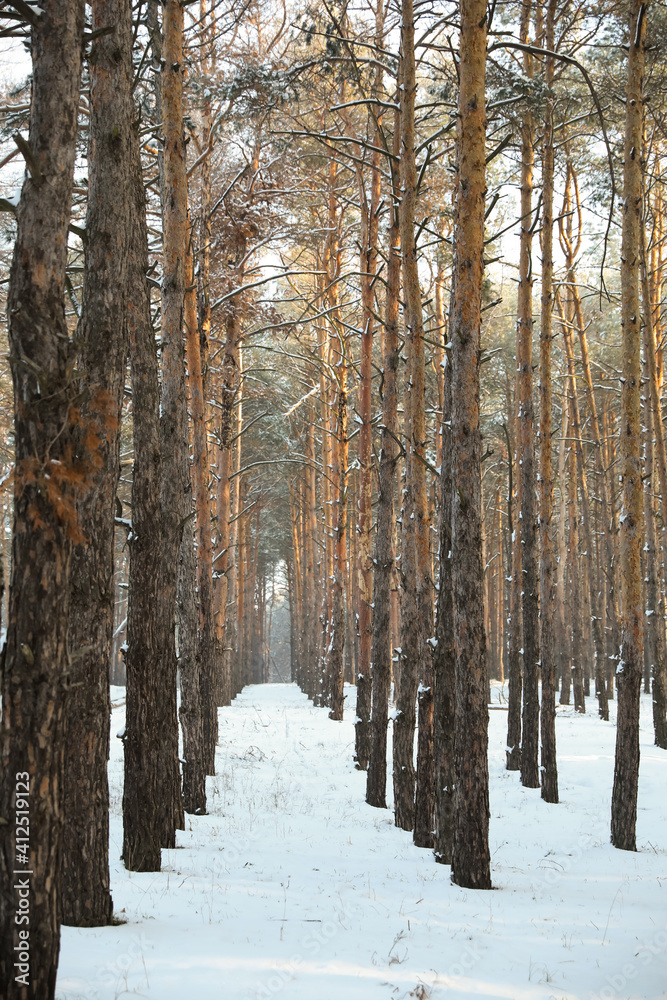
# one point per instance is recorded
(515, 675)
(339, 471)
(310, 524)
(444, 657)
(593, 593)
(173, 426)
(321, 695)
(654, 382)
(655, 628)
(86, 898)
(297, 609)
(228, 389)
(145, 635)
(385, 556)
(561, 575)
(351, 587)
(336, 648)
(629, 672)
(368, 267)
(530, 774)
(576, 596)
(565, 227)
(198, 691)
(191, 709)
(37, 666)
(470, 855)
(238, 661)
(549, 768)
(417, 663)
(207, 66)
(610, 562)
(500, 591)
(654, 641)
(407, 680)
(576, 315)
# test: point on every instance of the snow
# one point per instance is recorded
(292, 887)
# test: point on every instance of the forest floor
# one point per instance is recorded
(292, 887)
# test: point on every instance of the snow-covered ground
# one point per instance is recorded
(292, 887)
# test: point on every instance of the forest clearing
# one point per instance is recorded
(333, 482)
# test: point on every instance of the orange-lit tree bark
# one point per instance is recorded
(654, 637)
(198, 689)
(593, 595)
(310, 524)
(651, 347)
(85, 896)
(228, 386)
(228, 389)
(570, 251)
(323, 342)
(470, 854)
(36, 659)
(654, 455)
(629, 673)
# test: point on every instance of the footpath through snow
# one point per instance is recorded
(292, 887)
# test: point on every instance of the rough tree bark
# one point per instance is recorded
(570, 248)
(444, 657)
(385, 556)
(228, 387)
(86, 897)
(654, 638)
(514, 672)
(561, 577)
(654, 449)
(530, 774)
(198, 691)
(470, 854)
(173, 423)
(368, 266)
(549, 769)
(574, 569)
(339, 459)
(321, 694)
(335, 665)
(37, 665)
(593, 594)
(145, 637)
(629, 672)
(417, 663)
